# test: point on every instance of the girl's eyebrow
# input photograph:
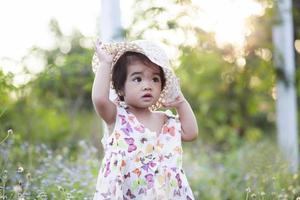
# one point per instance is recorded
(138, 73)
(135, 73)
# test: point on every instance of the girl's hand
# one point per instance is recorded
(179, 100)
(101, 53)
(186, 117)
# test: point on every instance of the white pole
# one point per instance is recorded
(110, 18)
(286, 95)
(110, 31)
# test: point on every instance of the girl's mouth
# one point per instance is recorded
(147, 96)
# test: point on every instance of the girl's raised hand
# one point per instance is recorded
(102, 54)
(176, 102)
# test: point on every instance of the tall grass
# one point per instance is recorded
(36, 172)
(251, 171)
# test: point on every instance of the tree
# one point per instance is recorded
(286, 93)
(230, 92)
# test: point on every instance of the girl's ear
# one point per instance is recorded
(121, 93)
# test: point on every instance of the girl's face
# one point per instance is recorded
(142, 86)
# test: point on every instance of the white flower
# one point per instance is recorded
(17, 188)
(248, 190)
(10, 131)
(20, 169)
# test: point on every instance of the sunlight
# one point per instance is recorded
(227, 19)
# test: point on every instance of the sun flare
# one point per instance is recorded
(227, 19)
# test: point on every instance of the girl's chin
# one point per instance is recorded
(143, 105)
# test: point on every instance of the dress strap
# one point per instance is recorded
(173, 119)
(170, 114)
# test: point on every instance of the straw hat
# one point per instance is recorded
(156, 54)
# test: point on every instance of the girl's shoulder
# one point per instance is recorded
(167, 115)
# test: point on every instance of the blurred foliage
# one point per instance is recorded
(6, 87)
(248, 172)
(37, 172)
(229, 89)
(255, 170)
(55, 106)
(231, 92)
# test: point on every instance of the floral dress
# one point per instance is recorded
(139, 164)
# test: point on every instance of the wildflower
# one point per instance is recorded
(20, 169)
(68, 196)
(248, 190)
(10, 131)
(262, 193)
(42, 195)
(298, 198)
(60, 188)
(253, 195)
(4, 177)
(28, 176)
(295, 176)
(59, 157)
(82, 143)
(17, 188)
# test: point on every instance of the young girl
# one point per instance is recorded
(143, 153)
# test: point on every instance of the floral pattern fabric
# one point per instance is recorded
(141, 164)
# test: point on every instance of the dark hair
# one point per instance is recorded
(119, 71)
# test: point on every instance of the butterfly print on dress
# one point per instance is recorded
(137, 161)
(127, 129)
(179, 181)
(107, 169)
(150, 180)
(131, 146)
(169, 130)
(129, 194)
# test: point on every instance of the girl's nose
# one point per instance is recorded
(147, 85)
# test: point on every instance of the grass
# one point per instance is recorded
(250, 171)
(36, 172)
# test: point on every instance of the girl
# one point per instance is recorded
(143, 153)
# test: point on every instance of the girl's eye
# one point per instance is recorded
(137, 79)
(156, 79)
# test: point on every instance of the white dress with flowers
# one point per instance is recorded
(138, 164)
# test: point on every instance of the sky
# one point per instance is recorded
(24, 24)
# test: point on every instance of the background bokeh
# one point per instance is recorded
(223, 54)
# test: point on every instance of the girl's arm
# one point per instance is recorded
(101, 86)
(186, 116)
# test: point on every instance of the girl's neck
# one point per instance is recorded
(139, 112)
